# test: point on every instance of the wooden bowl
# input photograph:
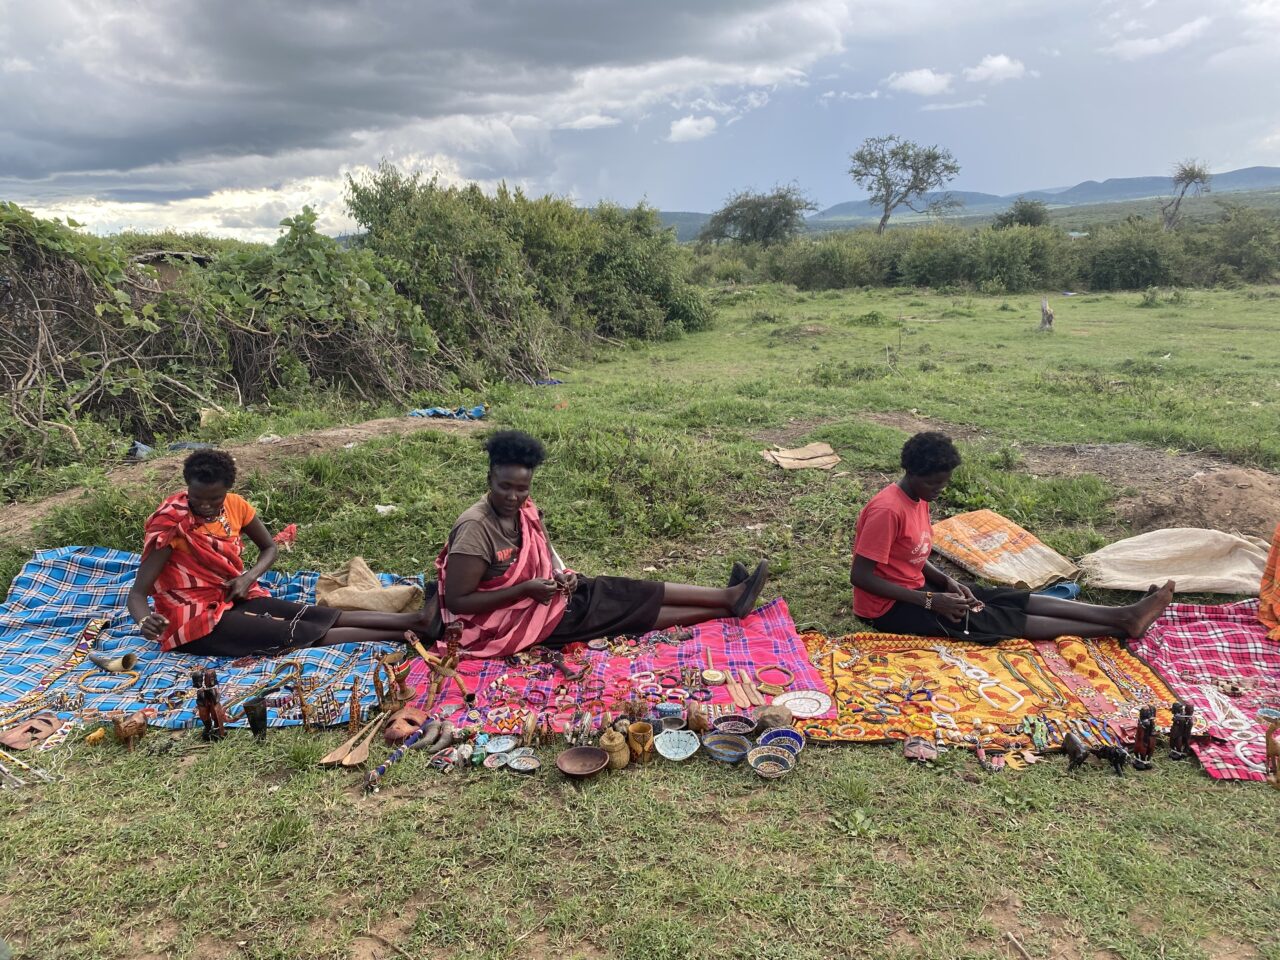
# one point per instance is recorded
(582, 762)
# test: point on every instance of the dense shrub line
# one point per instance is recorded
(447, 289)
(1242, 247)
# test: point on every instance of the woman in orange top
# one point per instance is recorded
(208, 605)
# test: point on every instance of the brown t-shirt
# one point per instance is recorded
(479, 533)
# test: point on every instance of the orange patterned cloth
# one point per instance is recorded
(1269, 609)
(888, 687)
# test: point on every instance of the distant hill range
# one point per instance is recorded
(856, 212)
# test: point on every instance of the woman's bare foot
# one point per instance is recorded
(1147, 610)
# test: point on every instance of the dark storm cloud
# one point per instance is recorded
(117, 87)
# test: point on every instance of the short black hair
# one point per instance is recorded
(210, 466)
(514, 448)
(928, 453)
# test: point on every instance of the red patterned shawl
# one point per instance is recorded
(190, 590)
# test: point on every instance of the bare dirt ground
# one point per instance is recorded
(18, 520)
(1158, 489)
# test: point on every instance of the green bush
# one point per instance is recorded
(939, 256)
(509, 284)
(1132, 256)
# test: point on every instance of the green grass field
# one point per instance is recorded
(248, 851)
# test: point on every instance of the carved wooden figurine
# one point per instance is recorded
(1144, 739)
(1180, 731)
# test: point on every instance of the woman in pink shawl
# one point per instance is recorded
(502, 580)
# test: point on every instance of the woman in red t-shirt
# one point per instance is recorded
(898, 590)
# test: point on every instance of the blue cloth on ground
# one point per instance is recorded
(60, 592)
(462, 413)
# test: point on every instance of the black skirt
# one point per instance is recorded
(264, 625)
(608, 607)
(1003, 618)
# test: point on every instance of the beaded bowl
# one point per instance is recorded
(676, 744)
(524, 764)
(664, 710)
(726, 747)
(735, 723)
(783, 737)
(501, 744)
(771, 762)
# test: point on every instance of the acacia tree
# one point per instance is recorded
(1189, 176)
(898, 172)
(1024, 213)
(762, 218)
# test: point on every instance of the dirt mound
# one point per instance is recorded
(18, 520)
(1236, 500)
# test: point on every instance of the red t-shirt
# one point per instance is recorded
(894, 531)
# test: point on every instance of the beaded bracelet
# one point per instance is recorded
(888, 709)
(701, 695)
(646, 676)
(896, 733)
(677, 695)
(535, 697)
(669, 680)
(594, 687)
(937, 703)
(815, 732)
(851, 731)
(874, 716)
(650, 690)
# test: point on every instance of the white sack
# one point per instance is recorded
(1200, 561)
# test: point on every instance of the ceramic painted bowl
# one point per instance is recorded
(523, 764)
(783, 737)
(582, 762)
(520, 752)
(495, 760)
(726, 747)
(771, 762)
(502, 744)
(676, 744)
(737, 723)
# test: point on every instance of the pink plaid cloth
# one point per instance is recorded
(764, 638)
(1193, 645)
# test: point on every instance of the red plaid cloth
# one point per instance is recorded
(1192, 646)
(764, 638)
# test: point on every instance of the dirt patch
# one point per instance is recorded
(1236, 500)
(912, 422)
(18, 520)
(1165, 490)
(795, 429)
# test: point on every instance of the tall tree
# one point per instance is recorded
(1189, 176)
(898, 172)
(763, 218)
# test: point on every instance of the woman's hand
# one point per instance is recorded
(953, 606)
(238, 588)
(568, 581)
(153, 625)
(541, 589)
(975, 605)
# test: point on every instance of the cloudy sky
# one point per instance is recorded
(225, 116)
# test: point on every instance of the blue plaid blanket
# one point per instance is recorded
(60, 593)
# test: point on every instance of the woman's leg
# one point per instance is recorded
(1051, 628)
(689, 595)
(1133, 619)
(678, 616)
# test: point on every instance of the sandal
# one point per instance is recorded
(737, 573)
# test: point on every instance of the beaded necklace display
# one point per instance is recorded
(983, 680)
(36, 697)
(1135, 690)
